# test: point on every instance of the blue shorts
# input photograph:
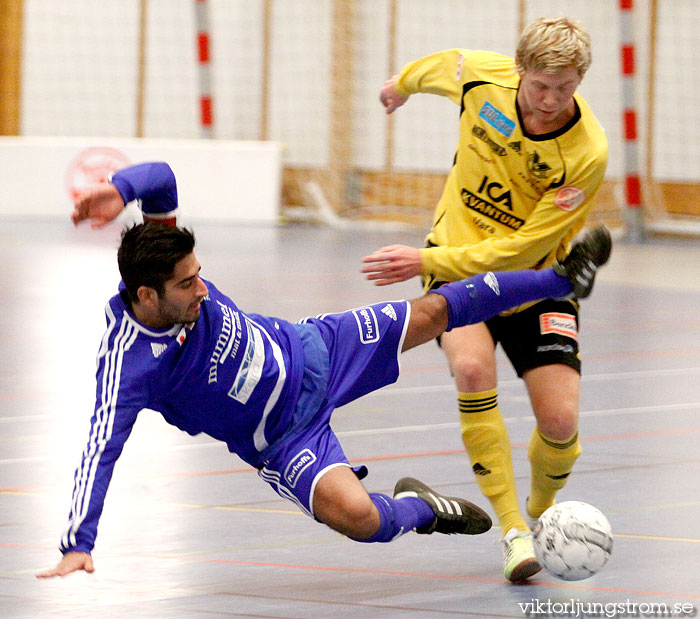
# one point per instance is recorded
(346, 356)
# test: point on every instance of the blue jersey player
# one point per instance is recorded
(267, 387)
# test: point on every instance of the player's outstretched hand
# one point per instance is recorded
(389, 97)
(392, 264)
(71, 562)
(100, 203)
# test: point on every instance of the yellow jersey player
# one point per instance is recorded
(530, 159)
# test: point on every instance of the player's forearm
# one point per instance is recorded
(108, 434)
(91, 482)
(153, 184)
(504, 254)
(145, 181)
(80, 534)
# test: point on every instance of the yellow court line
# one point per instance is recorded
(659, 538)
(298, 513)
(239, 509)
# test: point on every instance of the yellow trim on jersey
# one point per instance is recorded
(511, 200)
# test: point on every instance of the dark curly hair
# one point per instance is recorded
(148, 254)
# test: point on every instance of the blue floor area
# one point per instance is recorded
(190, 531)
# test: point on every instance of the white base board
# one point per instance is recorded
(217, 180)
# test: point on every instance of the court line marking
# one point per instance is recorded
(294, 512)
(585, 378)
(234, 508)
(653, 538)
(389, 390)
(437, 426)
(423, 575)
(528, 418)
(659, 538)
(350, 570)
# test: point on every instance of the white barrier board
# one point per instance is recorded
(217, 180)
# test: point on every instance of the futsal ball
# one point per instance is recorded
(573, 540)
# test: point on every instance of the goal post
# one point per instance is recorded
(10, 66)
(672, 174)
(635, 43)
(307, 74)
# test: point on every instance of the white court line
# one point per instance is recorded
(599, 413)
(26, 418)
(449, 387)
(633, 410)
(584, 379)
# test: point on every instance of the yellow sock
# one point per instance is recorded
(486, 440)
(551, 463)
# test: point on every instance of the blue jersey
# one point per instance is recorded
(231, 375)
(259, 384)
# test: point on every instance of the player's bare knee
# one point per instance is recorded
(559, 423)
(471, 374)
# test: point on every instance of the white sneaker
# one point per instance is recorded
(519, 560)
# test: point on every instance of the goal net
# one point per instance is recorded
(307, 73)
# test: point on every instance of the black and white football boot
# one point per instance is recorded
(452, 514)
(580, 266)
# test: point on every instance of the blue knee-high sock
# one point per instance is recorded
(481, 297)
(398, 516)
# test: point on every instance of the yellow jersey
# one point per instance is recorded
(512, 200)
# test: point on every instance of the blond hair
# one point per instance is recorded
(552, 44)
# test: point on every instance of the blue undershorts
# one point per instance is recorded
(346, 356)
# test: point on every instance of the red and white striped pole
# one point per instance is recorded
(633, 189)
(206, 111)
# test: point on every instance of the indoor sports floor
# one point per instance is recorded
(189, 531)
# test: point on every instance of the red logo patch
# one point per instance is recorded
(561, 324)
(569, 198)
